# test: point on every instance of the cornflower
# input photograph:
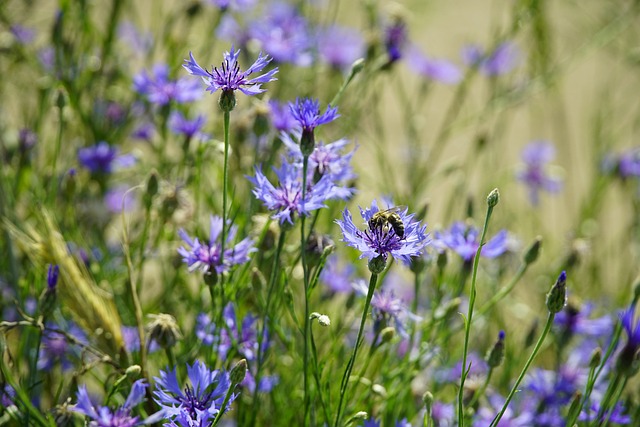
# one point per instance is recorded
(198, 403)
(463, 239)
(180, 125)
(535, 156)
(340, 46)
(104, 158)
(440, 70)
(103, 416)
(501, 60)
(159, 89)
(206, 257)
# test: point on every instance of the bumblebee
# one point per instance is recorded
(390, 218)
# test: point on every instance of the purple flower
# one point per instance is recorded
(27, 139)
(477, 367)
(286, 199)
(161, 90)
(205, 329)
(24, 35)
(131, 339)
(627, 362)
(198, 403)
(625, 165)
(395, 40)
(338, 277)
(244, 338)
(511, 417)
(573, 320)
(439, 70)
(238, 5)
(103, 416)
(464, 240)
(325, 159)
(281, 118)
(267, 383)
(139, 42)
(206, 257)
(382, 240)
(502, 60)
(52, 276)
(340, 46)
(229, 77)
(104, 158)
(144, 131)
(181, 126)
(120, 198)
(535, 156)
(306, 112)
(616, 415)
(283, 34)
(56, 349)
(386, 306)
(7, 396)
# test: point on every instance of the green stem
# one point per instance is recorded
(469, 319)
(272, 281)
(305, 272)
(225, 184)
(224, 404)
(615, 400)
(478, 394)
(547, 328)
(316, 376)
(56, 154)
(347, 373)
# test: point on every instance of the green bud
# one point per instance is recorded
(427, 399)
(596, 358)
(227, 101)
(441, 262)
(557, 296)
(387, 334)
(493, 198)
(238, 372)
(377, 264)
(133, 371)
(152, 184)
(323, 319)
(533, 251)
(495, 355)
(61, 99)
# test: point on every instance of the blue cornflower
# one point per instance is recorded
(336, 276)
(576, 321)
(206, 257)
(103, 416)
(229, 77)
(286, 199)
(180, 125)
(511, 417)
(627, 362)
(439, 70)
(386, 306)
(284, 34)
(104, 158)
(382, 241)
(120, 198)
(161, 90)
(535, 156)
(238, 5)
(395, 40)
(23, 35)
(56, 349)
(199, 402)
(52, 276)
(281, 118)
(340, 46)
(306, 112)
(617, 415)
(27, 139)
(244, 338)
(464, 240)
(626, 165)
(500, 61)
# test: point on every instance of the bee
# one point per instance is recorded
(390, 218)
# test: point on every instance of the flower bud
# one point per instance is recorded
(495, 355)
(323, 319)
(387, 334)
(307, 142)
(493, 198)
(238, 372)
(427, 399)
(557, 296)
(533, 251)
(133, 371)
(596, 358)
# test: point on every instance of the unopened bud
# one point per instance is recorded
(61, 99)
(379, 390)
(387, 334)
(427, 399)
(495, 355)
(227, 101)
(133, 371)
(238, 372)
(152, 188)
(307, 142)
(533, 251)
(557, 296)
(596, 358)
(493, 198)
(358, 416)
(323, 319)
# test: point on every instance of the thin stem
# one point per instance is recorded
(56, 154)
(272, 281)
(224, 404)
(225, 184)
(478, 394)
(547, 328)
(305, 272)
(316, 376)
(469, 319)
(347, 373)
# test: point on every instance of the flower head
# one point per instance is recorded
(56, 348)
(160, 89)
(627, 361)
(198, 403)
(229, 78)
(103, 416)
(244, 337)
(306, 112)
(340, 46)
(535, 156)
(395, 39)
(206, 257)
(104, 158)
(286, 199)
(439, 70)
(379, 239)
(500, 61)
(182, 126)
(464, 240)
